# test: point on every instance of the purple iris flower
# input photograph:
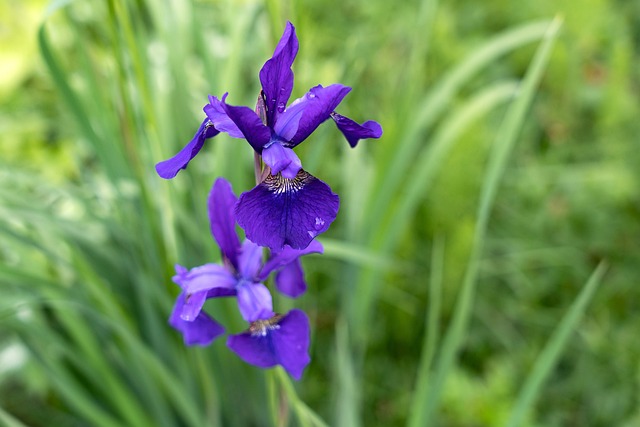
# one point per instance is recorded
(280, 340)
(241, 275)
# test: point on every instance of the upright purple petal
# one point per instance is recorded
(222, 219)
(282, 340)
(314, 108)
(282, 211)
(201, 331)
(279, 259)
(281, 159)
(218, 116)
(354, 131)
(249, 123)
(169, 168)
(250, 260)
(254, 301)
(290, 280)
(276, 76)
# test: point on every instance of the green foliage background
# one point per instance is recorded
(471, 239)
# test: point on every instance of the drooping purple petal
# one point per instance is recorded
(278, 341)
(222, 219)
(276, 76)
(290, 280)
(254, 301)
(249, 123)
(201, 331)
(354, 131)
(204, 278)
(250, 260)
(313, 108)
(192, 305)
(286, 256)
(282, 211)
(281, 159)
(169, 168)
(218, 116)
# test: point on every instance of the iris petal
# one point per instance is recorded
(204, 278)
(276, 76)
(218, 116)
(222, 220)
(169, 168)
(201, 331)
(290, 280)
(282, 211)
(354, 131)
(281, 159)
(254, 131)
(286, 256)
(254, 301)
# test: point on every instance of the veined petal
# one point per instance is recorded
(249, 123)
(281, 159)
(222, 219)
(314, 108)
(201, 331)
(254, 301)
(354, 131)
(276, 76)
(281, 340)
(169, 168)
(282, 211)
(250, 260)
(204, 278)
(287, 255)
(218, 116)
(290, 280)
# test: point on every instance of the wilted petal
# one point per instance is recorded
(218, 116)
(314, 108)
(254, 301)
(282, 211)
(201, 331)
(249, 123)
(222, 219)
(204, 278)
(290, 280)
(276, 76)
(167, 169)
(278, 341)
(281, 159)
(354, 131)
(287, 255)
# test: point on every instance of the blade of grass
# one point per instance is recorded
(505, 141)
(547, 360)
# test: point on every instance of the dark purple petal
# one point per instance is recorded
(282, 211)
(254, 301)
(167, 169)
(204, 278)
(277, 341)
(354, 131)
(218, 116)
(201, 331)
(250, 260)
(281, 159)
(290, 280)
(249, 123)
(222, 219)
(313, 108)
(276, 76)
(287, 256)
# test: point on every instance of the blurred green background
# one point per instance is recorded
(507, 173)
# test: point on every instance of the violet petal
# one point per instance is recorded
(201, 331)
(290, 280)
(222, 220)
(250, 260)
(169, 168)
(276, 76)
(218, 116)
(254, 301)
(354, 131)
(204, 278)
(286, 256)
(281, 159)
(282, 211)
(254, 131)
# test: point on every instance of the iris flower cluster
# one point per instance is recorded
(281, 216)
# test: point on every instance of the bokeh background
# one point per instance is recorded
(484, 267)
